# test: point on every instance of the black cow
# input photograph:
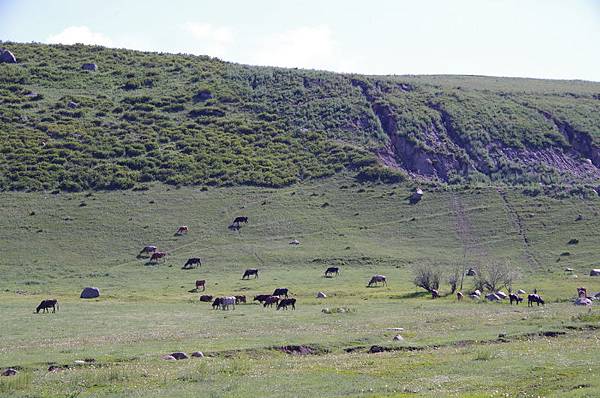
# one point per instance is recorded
(261, 297)
(207, 298)
(281, 291)
(534, 298)
(45, 304)
(286, 302)
(240, 219)
(217, 303)
(250, 272)
(332, 270)
(192, 263)
(513, 297)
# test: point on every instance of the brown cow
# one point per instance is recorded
(157, 256)
(201, 284)
(182, 230)
(206, 298)
(240, 299)
(261, 298)
(270, 301)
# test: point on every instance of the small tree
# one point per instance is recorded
(494, 276)
(427, 277)
(455, 277)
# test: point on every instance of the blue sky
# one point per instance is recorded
(528, 38)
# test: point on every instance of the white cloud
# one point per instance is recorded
(208, 39)
(80, 34)
(312, 47)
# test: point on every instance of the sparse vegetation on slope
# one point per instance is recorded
(187, 120)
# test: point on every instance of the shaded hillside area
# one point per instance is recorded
(187, 120)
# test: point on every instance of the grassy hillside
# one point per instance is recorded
(187, 120)
(55, 244)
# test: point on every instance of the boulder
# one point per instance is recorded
(7, 57)
(321, 295)
(583, 301)
(521, 291)
(90, 292)
(595, 272)
(294, 242)
(471, 272)
(73, 105)
(568, 269)
(474, 296)
(89, 66)
(198, 354)
(168, 358)
(477, 292)
(502, 295)
(9, 372)
(398, 338)
(179, 355)
(79, 362)
(493, 297)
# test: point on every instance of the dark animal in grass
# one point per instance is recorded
(280, 291)
(226, 302)
(261, 298)
(234, 227)
(148, 250)
(206, 298)
(534, 298)
(513, 297)
(157, 256)
(201, 283)
(217, 303)
(45, 305)
(435, 294)
(283, 304)
(269, 301)
(377, 279)
(459, 296)
(240, 219)
(192, 263)
(249, 272)
(182, 230)
(240, 299)
(332, 270)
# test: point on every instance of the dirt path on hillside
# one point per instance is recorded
(472, 246)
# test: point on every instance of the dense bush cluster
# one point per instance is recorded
(183, 119)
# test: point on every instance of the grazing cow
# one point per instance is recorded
(217, 303)
(148, 250)
(261, 298)
(332, 270)
(201, 283)
(280, 291)
(182, 230)
(534, 298)
(286, 302)
(283, 304)
(249, 272)
(234, 227)
(377, 279)
(238, 220)
(240, 299)
(45, 304)
(227, 301)
(513, 297)
(434, 294)
(269, 301)
(459, 296)
(206, 298)
(192, 263)
(157, 256)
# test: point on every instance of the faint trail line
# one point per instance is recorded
(515, 218)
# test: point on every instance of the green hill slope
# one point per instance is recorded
(182, 119)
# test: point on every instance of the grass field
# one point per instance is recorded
(54, 245)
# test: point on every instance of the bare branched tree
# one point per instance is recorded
(428, 277)
(455, 277)
(494, 276)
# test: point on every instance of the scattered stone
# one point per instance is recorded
(72, 105)
(295, 242)
(398, 338)
(474, 296)
(326, 311)
(198, 354)
(492, 297)
(477, 292)
(7, 57)
(471, 272)
(573, 242)
(521, 291)
(168, 358)
(502, 295)
(321, 295)
(179, 355)
(297, 349)
(79, 362)
(396, 329)
(9, 372)
(568, 269)
(595, 272)
(376, 349)
(55, 368)
(583, 301)
(89, 66)
(90, 292)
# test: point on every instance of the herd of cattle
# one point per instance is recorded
(280, 298)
